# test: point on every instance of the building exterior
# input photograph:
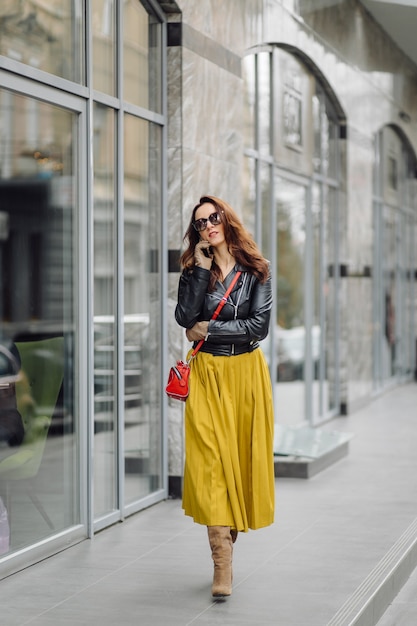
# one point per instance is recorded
(114, 119)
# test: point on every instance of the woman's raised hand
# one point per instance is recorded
(200, 258)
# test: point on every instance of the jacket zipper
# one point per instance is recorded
(236, 306)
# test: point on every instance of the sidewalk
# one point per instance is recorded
(331, 535)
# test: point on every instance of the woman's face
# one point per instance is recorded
(214, 233)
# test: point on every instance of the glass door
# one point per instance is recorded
(395, 260)
(289, 332)
(322, 338)
(305, 330)
(105, 322)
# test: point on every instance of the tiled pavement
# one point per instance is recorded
(331, 534)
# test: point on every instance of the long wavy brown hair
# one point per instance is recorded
(239, 241)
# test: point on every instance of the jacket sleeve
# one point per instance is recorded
(253, 328)
(192, 290)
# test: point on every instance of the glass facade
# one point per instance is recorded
(81, 442)
(39, 444)
(293, 131)
(395, 298)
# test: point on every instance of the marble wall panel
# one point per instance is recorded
(174, 96)
(176, 224)
(212, 130)
(204, 174)
(176, 228)
(222, 21)
(176, 350)
(212, 108)
(205, 154)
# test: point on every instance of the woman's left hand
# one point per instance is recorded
(197, 332)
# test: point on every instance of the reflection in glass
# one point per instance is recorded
(141, 57)
(317, 214)
(38, 476)
(264, 102)
(325, 145)
(44, 35)
(249, 193)
(290, 326)
(329, 294)
(103, 27)
(323, 330)
(395, 213)
(292, 117)
(265, 184)
(410, 261)
(389, 262)
(315, 106)
(248, 68)
(333, 149)
(141, 304)
(105, 424)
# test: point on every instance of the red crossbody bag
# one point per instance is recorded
(178, 379)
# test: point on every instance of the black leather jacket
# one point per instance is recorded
(244, 319)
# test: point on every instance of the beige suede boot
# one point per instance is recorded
(221, 551)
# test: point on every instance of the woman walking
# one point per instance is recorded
(229, 469)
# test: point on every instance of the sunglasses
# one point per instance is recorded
(201, 224)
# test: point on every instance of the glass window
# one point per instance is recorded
(264, 102)
(38, 330)
(142, 295)
(302, 243)
(105, 424)
(333, 158)
(248, 67)
(141, 57)
(325, 138)
(45, 35)
(103, 27)
(406, 259)
(265, 185)
(292, 117)
(393, 173)
(329, 298)
(316, 106)
(323, 331)
(249, 190)
(390, 286)
(394, 299)
(318, 211)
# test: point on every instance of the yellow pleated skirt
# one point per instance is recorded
(229, 424)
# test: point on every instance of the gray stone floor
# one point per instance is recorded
(330, 532)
